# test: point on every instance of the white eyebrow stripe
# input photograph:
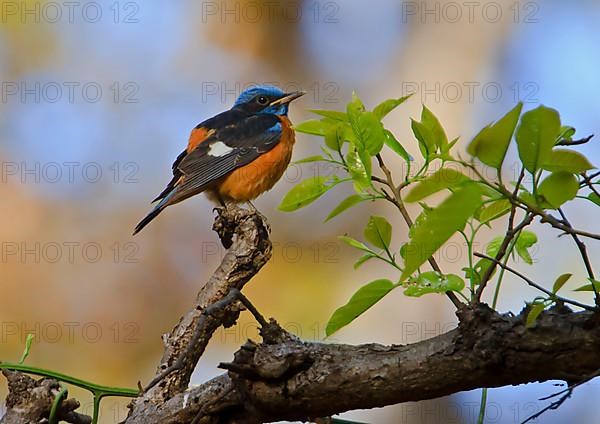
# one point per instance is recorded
(218, 149)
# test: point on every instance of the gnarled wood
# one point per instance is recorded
(296, 380)
(245, 234)
(30, 401)
(284, 378)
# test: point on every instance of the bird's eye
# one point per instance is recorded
(262, 100)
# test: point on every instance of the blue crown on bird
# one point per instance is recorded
(266, 99)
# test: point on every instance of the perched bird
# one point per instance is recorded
(236, 155)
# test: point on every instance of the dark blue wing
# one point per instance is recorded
(224, 151)
(234, 144)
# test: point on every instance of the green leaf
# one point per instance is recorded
(355, 243)
(354, 109)
(566, 133)
(488, 191)
(494, 210)
(364, 258)
(432, 282)
(369, 132)
(481, 267)
(366, 160)
(534, 312)
(28, 342)
(525, 240)
(385, 107)
(362, 300)
(425, 209)
(395, 145)
(378, 232)
(356, 102)
(491, 144)
(536, 135)
(560, 281)
(450, 146)
(345, 204)
(313, 127)
(558, 188)
(440, 139)
(423, 135)
(334, 138)
(316, 158)
(528, 198)
(589, 287)
(304, 193)
(593, 197)
(360, 174)
(331, 114)
(471, 274)
(439, 225)
(493, 247)
(444, 178)
(566, 160)
(361, 134)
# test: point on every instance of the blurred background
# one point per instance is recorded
(98, 98)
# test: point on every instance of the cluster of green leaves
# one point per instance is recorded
(353, 141)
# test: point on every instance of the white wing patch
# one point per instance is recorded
(218, 149)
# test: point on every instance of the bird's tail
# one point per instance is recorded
(154, 212)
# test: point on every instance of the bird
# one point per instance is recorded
(234, 156)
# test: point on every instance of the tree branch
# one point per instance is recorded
(284, 378)
(297, 380)
(245, 234)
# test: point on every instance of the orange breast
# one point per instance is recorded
(250, 181)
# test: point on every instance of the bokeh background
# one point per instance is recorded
(98, 98)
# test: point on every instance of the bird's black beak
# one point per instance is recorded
(287, 98)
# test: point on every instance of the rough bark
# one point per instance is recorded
(296, 380)
(245, 234)
(284, 378)
(30, 401)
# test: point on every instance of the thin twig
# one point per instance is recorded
(544, 217)
(378, 179)
(535, 285)
(511, 231)
(180, 361)
(566, 394)
(586, 260)
(587, 181)
(397, 201)
(561, 226)
(246, 302)
(510, 234)
(566, 142)
(594, 175)
(234, 294)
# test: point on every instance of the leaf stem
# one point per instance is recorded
(397, 201)
(501, 273)
(92, 387)
(62, 395)
(537, 286)
(481, 416)
(584, 256)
